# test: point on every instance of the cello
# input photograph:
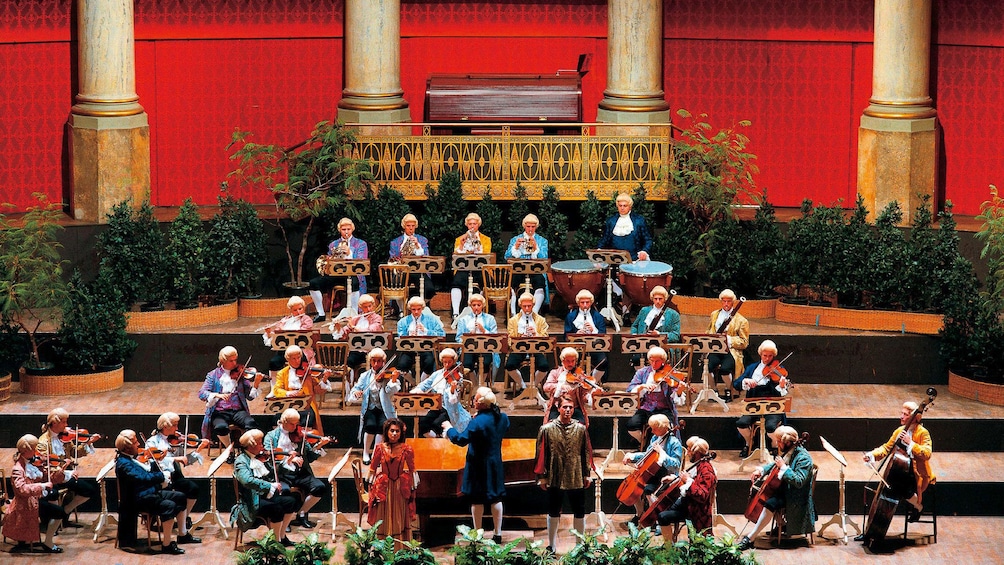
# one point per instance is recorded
(898, 481)
(768, 485)
(667, 494)
(632, 487)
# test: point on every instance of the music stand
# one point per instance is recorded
(105, 518)
(424, 265)
(614, 404)
(336, 515)
(480, 344)
(417, 403)
(763, 407)
(593, 343)
(417, 344)
(704, 345)
(469, 263)
(841, 518)
(611, 258)
(212, 516)
(530, 346)
(528, 267)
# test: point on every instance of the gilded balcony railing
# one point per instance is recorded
(604, 164)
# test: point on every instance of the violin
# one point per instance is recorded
(191, 441)
(75, 435)
(310, 436)
(677, 378)
(387, 375)
(148, 453)
(578, 378)
(266, 455)
(453, 377)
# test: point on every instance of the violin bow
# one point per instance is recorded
(184, 443)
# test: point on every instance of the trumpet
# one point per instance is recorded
(341, 251)
(409, 247)
(530, 245)
(472, 243)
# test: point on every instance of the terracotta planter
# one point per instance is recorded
(5, 387)
(986, 393)
(63, 385)
(173, 319)
(265, 307)
(877, 320)
(698, 306)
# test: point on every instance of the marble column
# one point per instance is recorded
(108, 129)
(897, 139)
(372, 93)
(634, 92)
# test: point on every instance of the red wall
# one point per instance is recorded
(800, 71)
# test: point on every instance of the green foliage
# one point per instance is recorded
(414, 554)
(14, 347)
(637, 548)
(766, 262)
(519, 208)
(676, 243)
(133, 249)
(304, 180)
(250, 258)
(32, 291)
(445, 209)
(474, 548)
(382, 212)
(888, 253)
(848, 266)
(310, 551)
(365, 547)
(922, 266)
(641, 205)
(992, 235)
(264, 551)
(187, 253)
(726, 257)
(235, 249)
(700, 549)
(589, 550)
(553, 224)
(94, 324)
(592, 216)
(491, 221)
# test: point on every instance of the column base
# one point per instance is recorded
(376, 116)
(109, 163)
(657, 116)
(897, 160)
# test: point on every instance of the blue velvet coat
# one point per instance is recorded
(484, 480)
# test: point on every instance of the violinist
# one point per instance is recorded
(473, 242)
(60, 440)
(143, 488)
(659, 391)
(767, 379)
(670, 456)
(346, 247)
(916, 441)
(528, 245)
(226, 392)
(366, 321)
(585, 320)
(727, 320)
(420, 322)
(296, 380)
(657, 319)
(795, 493)
(564, 467)
(167, 439)
(295, 471)
(568, 381)
(478, 322)
(526, 323)
(375, 389)
(448, 383)
(296, 320)
(29, 505)
(261, 494)
(696, 491)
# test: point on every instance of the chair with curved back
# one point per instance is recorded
(682, 353)
(361, 491)
(779, 521)
(497, 284)
(393, 285)
(334, 356)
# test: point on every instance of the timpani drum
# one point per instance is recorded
(572, 276)
(639, 278)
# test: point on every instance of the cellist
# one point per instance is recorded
(670, 455)
(762, 380)
(917, 442)
(795, 493)
(697, 490)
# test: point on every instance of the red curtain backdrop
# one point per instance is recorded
(801, 71)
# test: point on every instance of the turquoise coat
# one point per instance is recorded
(799, 510)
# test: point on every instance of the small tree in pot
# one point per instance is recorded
(93, 334)
(133, 250)
(186, 252)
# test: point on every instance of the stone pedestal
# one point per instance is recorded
(897, 160)
(109, 162)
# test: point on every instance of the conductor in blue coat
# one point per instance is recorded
(483, 483)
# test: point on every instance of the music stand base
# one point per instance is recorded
(841, 520)
(720, 521)
(104, 520)
(340, 518)
(708, 393)
(529, 395)
(212, 516)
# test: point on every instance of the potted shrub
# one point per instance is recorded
(491, 223)
(519, 208)
(264, 551)
(32, 290)
(553, 224)
(849, 265)
(764, 241)
(235, 250)
(382, 212)
(699, 549)
(93, 335)
(592, 216)
(186, 253)
(886, 261)
(675, 246)
(132, 249)
(14, 348)
(365, 547)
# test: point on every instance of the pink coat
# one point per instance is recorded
(22, 522)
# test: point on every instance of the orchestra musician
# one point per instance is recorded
(657, 319)
(658, 393)
(294, 470)
(174, 461)
(528, 245)
(795, 492)
(478, 322)
(448, 383)
(585, 320)
(564, 382)
(29, 506)
(393, 480)
(420, 322)
(626, 231)
(261, 494)
(367, 320)
(143, 488)
(346, 247)
(526, 323)
(757, 385)
(917, 442)
(697, 490)
(51, 442)
(483, 483)
(296, 320)
(564, 467)
(408, 244)
(226, 392)
(296, 380)
(670, 452)
(377, 398)
(475, 242)
(736, 328)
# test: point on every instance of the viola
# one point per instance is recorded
(768, 485)
(191, 441)
(75, 435)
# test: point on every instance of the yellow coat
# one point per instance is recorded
(280, 389)
(539, 322)
(739, 332)
(486, 243)
(920, 454)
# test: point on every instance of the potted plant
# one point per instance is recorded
(764, 242)
(851, 255)
(701, 549)
(366, 547)
(186, 252)
(310, 551)
(676, 243)
(303, 180)
(519, 208)
(32, 290)
(553, 224)
(592, 216)
(886, 261)
(250, 257)
(14, 348)
(132, 249)
(264, 551)
(235, 250)
(382, 212)
(93, 335)
(491, 222)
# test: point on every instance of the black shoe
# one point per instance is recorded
(286, 543)
(861, 537)
(635, 520)
(188, 523)
(497, 539)
(728, 396)
(21, 547)
(913, 515)
(318, 319)
(366, 460)
(172, 549)
(189, 538)
(302, 522)
(549, 549)
(69, 524)
(53, 549)
(745, 543)
(232, 457)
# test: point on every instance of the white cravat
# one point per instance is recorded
(623, 226)
(651, 316)
(581, 320)
(416, 327)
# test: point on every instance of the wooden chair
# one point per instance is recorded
(238, 532)
(779, 521)
(458, 347)
(151, 521)
(930, 495)
(393, 284)
(334, 356)
(361, 491)
(683, 354)
(497, 284)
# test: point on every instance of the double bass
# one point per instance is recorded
(632, 487)
(768, 485)
(898, 481)
(667, 494)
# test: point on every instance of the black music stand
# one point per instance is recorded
(348, 268)
(763, 407)
(480, 344)
(424, 265)
(528, 267)
(530, 346)
(704, 345)
(417, 344)
(610, 258)
(470, 263)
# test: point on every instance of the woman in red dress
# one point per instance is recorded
(393, 482)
